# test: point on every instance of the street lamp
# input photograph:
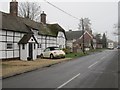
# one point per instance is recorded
(83, 34)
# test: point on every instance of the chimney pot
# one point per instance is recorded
(13, 0)
(43, 18)
(14, 8)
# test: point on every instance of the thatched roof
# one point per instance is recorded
(19, 24)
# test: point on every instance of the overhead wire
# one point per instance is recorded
(61, 10)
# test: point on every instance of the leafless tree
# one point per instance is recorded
(86, 22)
(117, 29)
(30, 10)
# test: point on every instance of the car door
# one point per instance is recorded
(46, 52)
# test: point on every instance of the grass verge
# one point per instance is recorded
(75, 55)
(15, 67)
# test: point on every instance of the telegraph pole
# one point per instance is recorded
(83, 35)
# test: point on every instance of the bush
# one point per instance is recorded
(66, 50)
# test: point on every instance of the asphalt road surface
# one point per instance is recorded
(98, 70)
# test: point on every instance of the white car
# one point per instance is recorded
(53, 52)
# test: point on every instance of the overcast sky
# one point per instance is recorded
(102, 13)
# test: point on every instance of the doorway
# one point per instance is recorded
(30, 51)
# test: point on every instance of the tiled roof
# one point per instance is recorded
(73, 34)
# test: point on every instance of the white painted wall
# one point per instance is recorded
(53, 41)
(16, 53)
(24, 52)
(34, 51)
(9, 38)
(31, 40)
(3, 38)
(17, 34)
(61, 39)
(0, 48)
(39, 41)
(17, 39)
(9, 33)
(3, 32)
(3, 45)
(70, 43)
(9, 54)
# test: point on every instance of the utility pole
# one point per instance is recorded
(83, 34)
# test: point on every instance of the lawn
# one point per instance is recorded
(96, 50)
(75, 55)
(14, 67)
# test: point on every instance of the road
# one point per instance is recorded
(98, 70)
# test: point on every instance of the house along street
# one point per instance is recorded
(99, 70)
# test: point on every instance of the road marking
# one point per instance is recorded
(68, 81)
(93, 64)
(102, 58)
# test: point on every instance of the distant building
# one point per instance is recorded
(99, 44)
(110, 44)
(75, 40)
(24, 39)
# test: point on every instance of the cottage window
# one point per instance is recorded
(23, 46)
(39, 45)
(9, 45)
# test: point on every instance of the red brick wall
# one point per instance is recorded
(87, 38)
(78, 43)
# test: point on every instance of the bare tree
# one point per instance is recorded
(117, 29)
(30, 10)
(86, 22)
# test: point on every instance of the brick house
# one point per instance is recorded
(75, 40)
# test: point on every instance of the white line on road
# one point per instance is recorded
(93, 64)
(102, 58)
(67, 81)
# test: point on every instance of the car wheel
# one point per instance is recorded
(63, 57)
(41, 56)
(51, 56)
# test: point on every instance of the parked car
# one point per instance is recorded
(53, 52)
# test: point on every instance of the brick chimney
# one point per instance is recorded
(43, 18)
(14, 8)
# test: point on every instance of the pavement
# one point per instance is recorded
(98, 70)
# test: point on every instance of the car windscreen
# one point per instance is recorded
(54, 48)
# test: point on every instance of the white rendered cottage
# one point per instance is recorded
(25, 39)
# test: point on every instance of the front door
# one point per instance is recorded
(30, 51)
